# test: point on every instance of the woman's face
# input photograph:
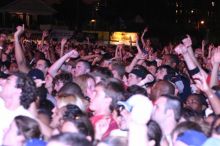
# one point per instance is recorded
(12, 137)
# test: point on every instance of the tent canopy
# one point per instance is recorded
(32, 7)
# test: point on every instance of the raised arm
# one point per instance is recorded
(44, 35)
(19, 54)
(142, 36)
(215, 63)
(137, 57)
(56, 66)
(63, 42)
(200, 80)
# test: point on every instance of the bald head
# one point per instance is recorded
(160, 88)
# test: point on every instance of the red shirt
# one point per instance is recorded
(112, 125)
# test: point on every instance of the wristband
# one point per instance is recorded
(194, 71)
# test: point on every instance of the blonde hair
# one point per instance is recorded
(71, 99)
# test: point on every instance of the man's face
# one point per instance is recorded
(56, 117)
(8, 87)
(98, 101)
(152, 69)
(166, 60)
(159, 110)
(12, 133)
(124, 119)
(80, 69)
(133, 79)
(192, 102)
(41, 65)
(161, 73)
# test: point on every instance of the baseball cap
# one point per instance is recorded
(192, 138)
(36, 74)
(35, 142)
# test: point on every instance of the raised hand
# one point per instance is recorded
(181, 49)
(101, 127)
(45, 34)
(73, 54)
(145, 29)
(200, 80)
(216, 56)
(187, 42)
(20, 30)
(63, 41)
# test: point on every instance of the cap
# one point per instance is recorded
(192, 137)
(35, 142)
(36, 74)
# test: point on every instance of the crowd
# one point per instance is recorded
(66, 93)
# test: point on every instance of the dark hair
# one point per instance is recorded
(65, 77)
(79, 120)
(69, 89)
(85, 63)
(186, 125)
(135, 89)
(154, 132)
(119, 68)
(72, 112)
(72, 139)
(173, 58)
(170, 71)
(27, 127)
(102, 72)
(114, 89)
(28, 87)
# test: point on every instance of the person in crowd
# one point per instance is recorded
(69, 139)
(102, 104)
(23, 131)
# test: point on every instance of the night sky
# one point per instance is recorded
(121, 14)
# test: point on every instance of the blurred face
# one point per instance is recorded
(11, 137)
(192, 102)
(13, 67)
(80, 69)
(97, 103)
(69, 127)
(166, 60)
(133, 79)
(41, 65)
(56, 117)
(161, 74)
(90, 87)
(159, 110)
(58, 85)
(44, 118)
(7, 85)
(152, 69)
(123, 123)
(48, 81)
